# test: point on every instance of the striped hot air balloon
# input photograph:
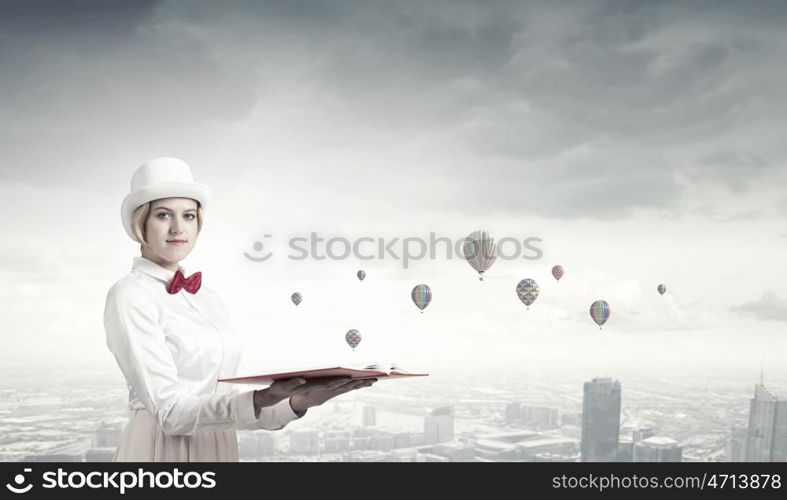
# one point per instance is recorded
(527, 290)
(600, 312)
(557, 272)
(353, 338)
(480, 251)
(422, 296)
(361, 274)
(296, 298)
(662, 288)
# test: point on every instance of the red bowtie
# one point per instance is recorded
(190, 284)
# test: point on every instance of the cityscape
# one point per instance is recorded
(445, 418)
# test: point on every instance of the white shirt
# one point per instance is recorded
(172, 349)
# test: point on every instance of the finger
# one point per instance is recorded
(355, 385)
(287, 386)
(327, 383)
(293, 383)
(351, 382)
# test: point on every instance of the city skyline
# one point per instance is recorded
(696, 415)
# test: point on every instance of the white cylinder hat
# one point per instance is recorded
(161, 178)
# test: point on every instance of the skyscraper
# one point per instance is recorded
(657, 449)
(766, 440)
(736, 444)
(600, 420)
(439, 425)
(779, 449)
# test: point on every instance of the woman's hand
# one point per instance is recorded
(306, 394)
(317, 394)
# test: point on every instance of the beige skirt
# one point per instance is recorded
(143, 441)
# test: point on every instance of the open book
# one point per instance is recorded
(374, 370)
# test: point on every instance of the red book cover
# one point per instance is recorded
(377, 371)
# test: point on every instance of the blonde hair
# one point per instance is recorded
(140, 216)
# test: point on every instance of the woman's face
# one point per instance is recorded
(171, 231)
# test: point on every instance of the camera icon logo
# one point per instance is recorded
(20, 479)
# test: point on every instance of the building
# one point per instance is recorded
(766, 439)
(383, 441)
(539, 417)
(625, 451)
(454, 452)
(657, 449)
(642, 433)
(736, 445)
(779, 449)
(304, 443)
(513, 413)
(439, 426)
(600, 420)
(105, 442)
(255, 445)
(525, 446)
(336, 441)
(547, 448)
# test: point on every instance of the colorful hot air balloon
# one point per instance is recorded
(661, 289)
(361, 274)
(353, 338)
(600, 311)
(421, 295)
(557, 272)
(527, 290)
(480, 251)
(296, 298)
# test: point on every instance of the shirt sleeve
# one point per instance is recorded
(136, 339)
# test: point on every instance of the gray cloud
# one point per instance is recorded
(768, 307)
(83, 86)
(561, 110)
(39, 19)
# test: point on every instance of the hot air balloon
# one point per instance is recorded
(421, 295)
(527, 290)
(353, 338)
(557, 272)
(296, 298)
(361, 274)
(661, 289)
(480, 251)
(600, 311)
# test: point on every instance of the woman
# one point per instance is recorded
(172, 339)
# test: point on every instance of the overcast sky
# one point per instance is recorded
(642, 142)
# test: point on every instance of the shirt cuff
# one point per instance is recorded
(244, 410)
(271, 417)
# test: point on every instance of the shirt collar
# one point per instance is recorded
(150, 268)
